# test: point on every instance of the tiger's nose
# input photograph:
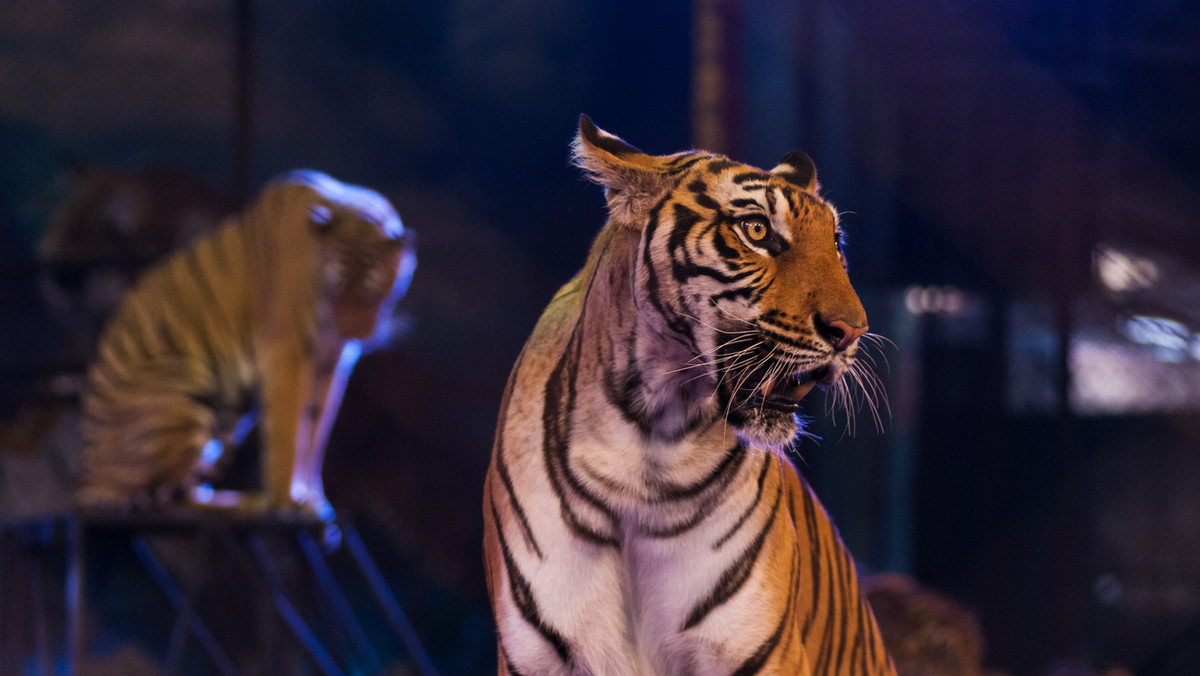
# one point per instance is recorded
(839, 334)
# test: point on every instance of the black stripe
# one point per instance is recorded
(502, 465)
(729, 465)
(221, 256)
(791, 194)
(814, 542)
(136, 333)
(787, 340)
(170, 292)
(719, 164)
(166, 333)
(508, 665)
(681, 164)
(747, 176)
(835, 585)
(675, 322)
(857, 656)
(146, 431)
(705, 508)
(845, 587)
(762, 475)
(760, 656)
(770, 195)
(708, 202)
(729, 294)
(522, 520)
(558, 406)
(200, 278)
(522, 594)
(723, 248)
(736, 575)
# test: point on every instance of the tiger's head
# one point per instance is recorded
(365, 255)
(738, 273)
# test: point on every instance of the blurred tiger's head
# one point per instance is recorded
(742, 268)
(366, 257)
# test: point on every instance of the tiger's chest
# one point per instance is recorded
(683, 516)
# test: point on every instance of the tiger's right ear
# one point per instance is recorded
(798, 168)
(632, 179)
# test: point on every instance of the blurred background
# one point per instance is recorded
(1020, 182)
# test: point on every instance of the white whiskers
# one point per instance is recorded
(862, 387)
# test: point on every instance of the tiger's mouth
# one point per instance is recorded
(785, 393)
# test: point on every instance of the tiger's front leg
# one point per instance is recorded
(333, 371)
(288, 380)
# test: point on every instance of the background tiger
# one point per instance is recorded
(112, 224)
(640, 514)
(272, 304)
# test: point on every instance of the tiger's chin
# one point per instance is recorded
(768, 416)
(767, 430)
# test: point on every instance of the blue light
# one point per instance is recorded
(211, 452)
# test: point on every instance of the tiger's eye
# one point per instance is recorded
(755, 230)
(320, 216)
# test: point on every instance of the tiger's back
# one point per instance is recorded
(168, 378)
(640, 517)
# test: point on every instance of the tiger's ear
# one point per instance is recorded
(798, 168)
(632, 179)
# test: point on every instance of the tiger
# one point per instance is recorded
(274, 305)
(111, 224)
(641, 514)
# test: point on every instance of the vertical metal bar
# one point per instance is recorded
(387, 601)
(41, 640)
(180, 602)
(242, 96)
(334, 593)
(287, 611)
(179, 632)
(4, 649)
(76, 533)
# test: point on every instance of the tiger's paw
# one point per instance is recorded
(310, 508)
(318, 507)
(308, 501)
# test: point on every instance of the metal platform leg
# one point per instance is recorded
(387, 601)
(186, 619)
(287, 611)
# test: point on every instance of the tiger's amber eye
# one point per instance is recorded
(755, 230)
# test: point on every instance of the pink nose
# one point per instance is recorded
(839, 334)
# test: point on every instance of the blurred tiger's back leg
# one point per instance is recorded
(143, 450)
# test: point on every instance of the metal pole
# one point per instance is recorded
(186, 618)
(242, 111)
(387, 601)
(341, 605)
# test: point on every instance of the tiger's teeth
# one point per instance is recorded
(798, 392)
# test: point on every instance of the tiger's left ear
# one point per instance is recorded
(798, 168)
(632, 179)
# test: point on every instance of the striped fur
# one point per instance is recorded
(640, 514)
(272, 306)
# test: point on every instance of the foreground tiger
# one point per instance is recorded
(271, 304)
(640, 515)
